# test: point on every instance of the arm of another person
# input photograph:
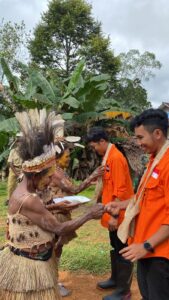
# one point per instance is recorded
(64, 206)
(34, 209)
(60, 180)
(11, 165)
(11, 159)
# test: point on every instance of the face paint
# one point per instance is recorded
(64, 160)
(46, 179)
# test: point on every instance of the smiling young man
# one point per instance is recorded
(150, 243)
(117, 185)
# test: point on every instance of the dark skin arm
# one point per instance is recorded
(13, 169)
(64, 183)
(64, 206)
(34, 209)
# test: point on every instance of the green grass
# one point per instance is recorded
(89, 252)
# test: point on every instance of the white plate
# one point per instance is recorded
(73, 199)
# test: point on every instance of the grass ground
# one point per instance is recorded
(88, 252)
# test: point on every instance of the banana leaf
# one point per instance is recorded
(4, 139)
(4, 155)
(76, 76)
(12, 80)
(40, 81)
(71, 101)
(67, 116)
(87, 116)
(9, 125)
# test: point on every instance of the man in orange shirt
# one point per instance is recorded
(117, 186)
(150, 243)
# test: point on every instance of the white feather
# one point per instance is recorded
(34, 117)
(42, 117)
(24, 121)
(72, 139)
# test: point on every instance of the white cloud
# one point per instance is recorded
(18, 10)
(131, 24)
(142, 25)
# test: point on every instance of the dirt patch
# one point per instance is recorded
(83, 286)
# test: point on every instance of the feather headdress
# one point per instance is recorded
(37, 147)
(60, 139)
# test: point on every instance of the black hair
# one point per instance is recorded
(95, 134)
(151, 119)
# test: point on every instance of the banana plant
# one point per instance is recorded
(82, 95)
(81, 98)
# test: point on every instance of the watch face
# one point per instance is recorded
(148, 247)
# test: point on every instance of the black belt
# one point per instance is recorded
(43, 256)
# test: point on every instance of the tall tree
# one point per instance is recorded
(13, 40)
(135, 65)
(135, 68)
(131, 95)
(68, 32)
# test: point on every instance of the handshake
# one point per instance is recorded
(99, 209)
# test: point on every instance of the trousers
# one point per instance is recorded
(153, 278)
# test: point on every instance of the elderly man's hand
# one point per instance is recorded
(96, 211)
(67, 205)
(64, 206)
(97, 173)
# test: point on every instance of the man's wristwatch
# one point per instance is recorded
(147, 246)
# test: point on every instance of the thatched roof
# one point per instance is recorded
(133, 154)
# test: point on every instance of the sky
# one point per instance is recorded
(130, 24)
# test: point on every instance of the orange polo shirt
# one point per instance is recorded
(116, 182)
(154, 208)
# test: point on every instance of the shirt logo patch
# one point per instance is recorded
(155, 173)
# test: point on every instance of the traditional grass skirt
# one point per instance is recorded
(26, 279)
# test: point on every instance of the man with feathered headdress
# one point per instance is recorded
(27, 267)
(61, 186)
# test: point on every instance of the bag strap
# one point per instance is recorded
(106, 154)
(99, 184)
(146, 176)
